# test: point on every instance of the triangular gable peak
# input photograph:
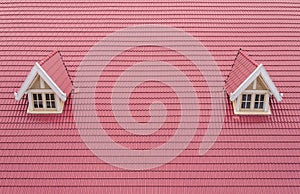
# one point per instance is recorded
(52, 78)
(249, 86)
(261, 74)
(36, 71)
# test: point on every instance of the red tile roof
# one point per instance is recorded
(242, 67)
(253, 154)
(56, 70)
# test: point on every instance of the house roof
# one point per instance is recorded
(252, 154)
(244, 72)
(53, 72)
(56, 70)
(242, 68)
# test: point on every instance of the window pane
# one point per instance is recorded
(52, 96)
(47, 96)
(34, 97)
(261, 105)
(53, 104)
(35, 104)
(248, 105)
(256, 97)
(249, 97)
(243, 104)
(262, 97)
(48, 104)
(256, 105)
(40, 96)
(244, 97)
(40, 104)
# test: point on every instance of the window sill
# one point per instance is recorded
(43, 111)
(252, 112)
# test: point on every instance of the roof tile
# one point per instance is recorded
(55, 68)
(242, 67)
(44, 153)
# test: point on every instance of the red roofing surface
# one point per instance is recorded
(253, 154)
(242, 67)
(55, 68)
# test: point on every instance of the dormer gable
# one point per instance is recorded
(249, 87)
(47, 86)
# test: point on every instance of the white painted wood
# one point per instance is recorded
(270, 84)
(266, 103)
(252, 101)
(256, 91)
(30, 100)
(37, 69)
(260, 70)
(42, 83)
(41, 91)
(26, 83)
(57, 103)
(50, 82)
(238, 103)
(44, 101)
(246, 83)
(254, 84)
(252, 109)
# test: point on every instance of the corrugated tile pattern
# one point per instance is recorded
(55, 68)
(253, 154)
(242, 67)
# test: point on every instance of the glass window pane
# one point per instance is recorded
(256, 105)
(40, 96)
(261, 105)
(52, 96)
(53, 104)
(48, 104)
(256, 97)
(34, 96)
(248, 105)
(40, 104)
(244, 97)
(35, 104)
(262, 97)
(249, 97)
(243, 104)
(47, 96)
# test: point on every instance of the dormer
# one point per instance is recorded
(47, 86)
(250, 87)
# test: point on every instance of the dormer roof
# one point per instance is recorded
(52, 70)
(244, 72)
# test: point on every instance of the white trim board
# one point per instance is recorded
(259, 71)
(37, 69)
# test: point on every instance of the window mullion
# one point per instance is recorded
(31, 102)
(252, 101)
(44, 101)
(266, 102)
(238, 104)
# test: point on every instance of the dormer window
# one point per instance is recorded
(246, 101)
(250, 87)
(37, 101)
(47, 86)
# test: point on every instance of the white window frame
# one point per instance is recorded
(259, 102)
(50, 100)
(253, 93)
(246, 101)
(38, 101)
(43, 92)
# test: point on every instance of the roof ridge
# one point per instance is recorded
(48, 57)
(232, 65)
(248, 57)
(65, 67)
